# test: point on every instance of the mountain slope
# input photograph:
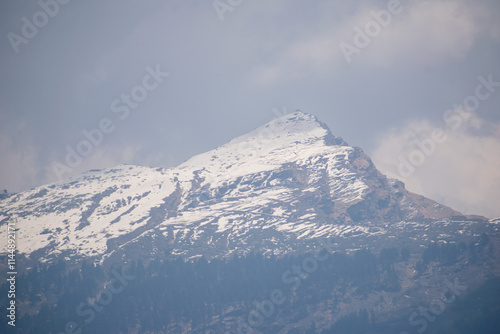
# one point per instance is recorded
(273, 190)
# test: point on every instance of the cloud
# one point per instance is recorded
(461, 170)
(429, 32)
(423, 33)
(24, 165)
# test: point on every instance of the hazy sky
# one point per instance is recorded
(393, 86)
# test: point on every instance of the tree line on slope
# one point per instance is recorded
(164, 293)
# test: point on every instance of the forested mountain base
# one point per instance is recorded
(342, 293)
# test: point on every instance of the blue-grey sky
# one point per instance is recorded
(382, 82)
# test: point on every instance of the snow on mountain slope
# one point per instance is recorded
(283, 140)
(270, 190)
(79, 216)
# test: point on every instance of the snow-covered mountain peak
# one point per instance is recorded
(294, 128)
(289, 138)
(298, 123)
(273, 188)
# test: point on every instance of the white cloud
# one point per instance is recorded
(424, 33)
(462, 171)
(427, 32)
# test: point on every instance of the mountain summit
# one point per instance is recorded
(283, 140)
(274, 190)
